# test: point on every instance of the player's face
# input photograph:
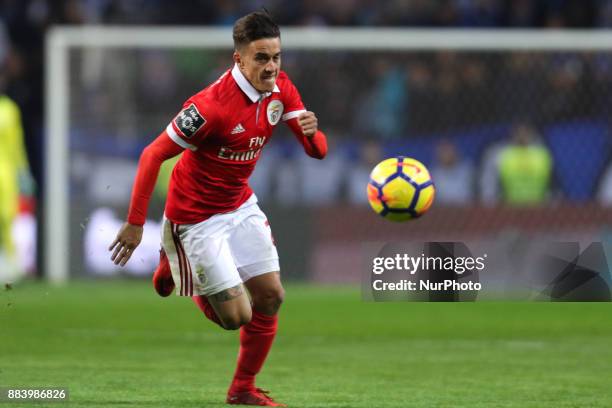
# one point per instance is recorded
(260, 62)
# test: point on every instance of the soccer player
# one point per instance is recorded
(14, 182)
(215, 239)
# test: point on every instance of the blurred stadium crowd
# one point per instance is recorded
(519, 128)
(385, 104)
(434, 87)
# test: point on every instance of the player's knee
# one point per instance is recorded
(278, 298)
(270, 300)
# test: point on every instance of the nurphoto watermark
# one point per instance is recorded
(460, 271)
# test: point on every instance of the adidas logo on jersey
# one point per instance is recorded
(238, 129)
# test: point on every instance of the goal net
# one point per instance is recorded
(514, 127)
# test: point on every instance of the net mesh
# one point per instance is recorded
(518, 145)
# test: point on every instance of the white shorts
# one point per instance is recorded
(220, 252)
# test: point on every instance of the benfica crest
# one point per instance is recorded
(275, 111)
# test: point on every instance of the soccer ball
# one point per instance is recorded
(400, 189)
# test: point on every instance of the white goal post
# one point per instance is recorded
(61, 40)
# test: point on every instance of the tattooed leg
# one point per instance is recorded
(233, 306)
(228, 294)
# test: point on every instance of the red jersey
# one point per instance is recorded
(224, 129)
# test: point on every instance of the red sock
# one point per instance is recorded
(208, 310)
(256, 339)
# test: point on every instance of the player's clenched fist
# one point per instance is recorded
(308, 122)
(128, 238)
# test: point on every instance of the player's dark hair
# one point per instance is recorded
(254, 26)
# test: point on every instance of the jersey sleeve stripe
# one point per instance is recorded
(293, 114)
(177, 139)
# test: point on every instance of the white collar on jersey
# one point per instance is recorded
(246, 86)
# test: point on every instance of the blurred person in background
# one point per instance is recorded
(476, 94)
(520, 86)
(420, 83)
(488, 175)
(525, 168)
(16, 184)
(287, 190)
(604, 192)
(453, 176)
(380, 111)
(369, 154)
(320, 182)
(569, 91)
(448, 91)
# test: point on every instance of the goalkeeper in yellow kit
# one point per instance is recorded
(13, 168)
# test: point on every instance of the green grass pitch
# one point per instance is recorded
(118, 345)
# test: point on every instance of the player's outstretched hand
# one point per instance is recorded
(308, 122)
(128, 238)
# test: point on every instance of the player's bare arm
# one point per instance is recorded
(309, 123)
(128, 238)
